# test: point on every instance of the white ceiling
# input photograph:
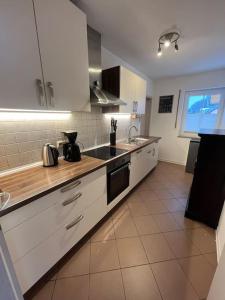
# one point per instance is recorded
(131, 28)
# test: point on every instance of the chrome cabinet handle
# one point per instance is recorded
(153, 152)
(51, 93)
(139, 151)
(73, 223)
(66, 202)
(40, 90)
(70, 186)
(150, 151)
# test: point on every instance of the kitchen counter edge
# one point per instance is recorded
(102, 164)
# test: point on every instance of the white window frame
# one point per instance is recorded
(189, 134)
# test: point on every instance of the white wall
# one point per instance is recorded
(172, 147)
(110, 60)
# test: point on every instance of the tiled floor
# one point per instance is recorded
(145, 250)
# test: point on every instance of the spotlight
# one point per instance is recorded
(159, 51)
(167, 43)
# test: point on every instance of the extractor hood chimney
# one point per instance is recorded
(98, 97)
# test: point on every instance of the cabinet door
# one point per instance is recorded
(62, 31)
(127, 89)
(19, 56)
(155, 153)
(140, 95)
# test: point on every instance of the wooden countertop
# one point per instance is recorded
(30, 184)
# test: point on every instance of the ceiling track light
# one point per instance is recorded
(167, 40)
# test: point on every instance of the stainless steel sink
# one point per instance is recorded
(136, 141)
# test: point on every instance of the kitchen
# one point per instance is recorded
(94, 139)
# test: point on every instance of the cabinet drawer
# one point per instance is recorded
(37, 262)
(59, 196)
(27, 235)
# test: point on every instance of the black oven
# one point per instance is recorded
(118, 177)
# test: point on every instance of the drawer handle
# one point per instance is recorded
(139, 151)
(66, 202)
(77, 220)
(150, 151)
(70, 186)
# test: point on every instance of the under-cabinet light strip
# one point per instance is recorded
(30, 115)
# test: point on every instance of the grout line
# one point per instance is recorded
(53, 290)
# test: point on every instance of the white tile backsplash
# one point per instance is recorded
(21, 142)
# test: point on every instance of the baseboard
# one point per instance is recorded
(172, 162)
(218, 250)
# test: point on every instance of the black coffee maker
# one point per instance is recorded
(71, 150)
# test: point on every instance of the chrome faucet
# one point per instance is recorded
(129, 132)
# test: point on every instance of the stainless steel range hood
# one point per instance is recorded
(98, 97)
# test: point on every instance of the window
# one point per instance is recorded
(203, 109)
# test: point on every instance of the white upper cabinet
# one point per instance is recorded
(62, 32)
(43, 56)
(128, 86)
(127, 89)
(140, 96)
(19, 57)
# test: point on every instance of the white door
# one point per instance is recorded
(20, 65)
(62, 31)
(9, 286)
(217, 289)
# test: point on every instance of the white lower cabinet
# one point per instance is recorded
(142, 162)
(38, 261)
(42, 233)
(39, 234)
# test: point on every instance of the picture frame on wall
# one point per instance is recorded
(165, 104)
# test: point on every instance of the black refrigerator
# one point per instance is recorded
(207, 193)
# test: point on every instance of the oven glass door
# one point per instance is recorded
(117, 182)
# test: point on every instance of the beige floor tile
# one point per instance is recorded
(139, 283)
(157, 248)
(143, 186)
(138, 209)
(125, 227)
(120, 211)
(133, 197)
(104, 256)
(172, 282)
(154, 185)
(173, 205)
(148, 195)
(46, 292)
(105, 232)
(211, 258)
(203, 240)
(166, 222)
(164, 194)
(179, 192)
(131, 252)
(106, 286)
(75, 288)
(181, 244)
(156, 207)
(199, 272)
(146, 225)
(184, 222)
(77, 264)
